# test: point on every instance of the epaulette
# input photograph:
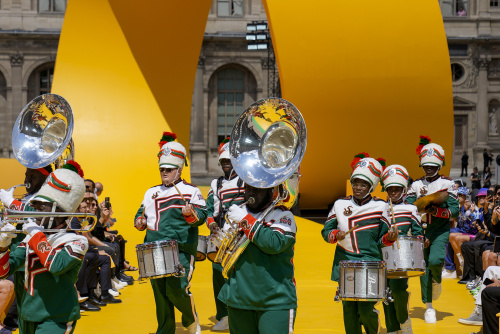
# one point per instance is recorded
(378, 199)
(421, 179)
(158, 185)
(281, 207)
(189, 184)
(446, 177)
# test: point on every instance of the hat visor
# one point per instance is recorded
(39, 198)
(224, 155)
(165, 165)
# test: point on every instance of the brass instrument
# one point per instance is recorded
(14, 216)
(267, 144)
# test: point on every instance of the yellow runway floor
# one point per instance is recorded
(317, 312)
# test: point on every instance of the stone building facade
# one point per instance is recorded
(229, 77)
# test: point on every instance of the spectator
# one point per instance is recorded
(487, 177)
(462, 12)
(487, 158)
(465, 163)
(98, 188)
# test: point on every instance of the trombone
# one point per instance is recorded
(14, 216)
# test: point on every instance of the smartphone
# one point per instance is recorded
(107, 204)
(487, 281)
(490, 193)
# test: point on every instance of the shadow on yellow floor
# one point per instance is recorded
(317, 312)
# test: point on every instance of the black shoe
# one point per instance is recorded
(109, 299)
(11, 322)
(95, 301)
(125, 278)
(463, 282)
(86, 306)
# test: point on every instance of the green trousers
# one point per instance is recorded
(47, 327)
(218, 281)
(434, 259)
(170, 292)
(261, 322)
(360, 313)
(396, 312)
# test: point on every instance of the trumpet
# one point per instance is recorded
(14, 216)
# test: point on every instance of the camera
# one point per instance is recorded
(107, 204)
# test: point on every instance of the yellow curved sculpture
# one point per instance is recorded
(367, 77)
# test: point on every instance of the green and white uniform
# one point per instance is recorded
(396, 312)
(438, 227)
(51, 269)
(260, 292)
(162, 207)
(362, 244)
(231, 192)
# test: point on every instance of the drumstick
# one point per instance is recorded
(352, 229)
(393, 221)
(192, 211)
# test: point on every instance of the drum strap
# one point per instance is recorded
(220, 217)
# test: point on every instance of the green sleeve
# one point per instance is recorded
(384, 228)
(453, 205)
(201, 212)
(330, 225)
(273, 239)
(16, 260)
(411, 199)
(416, 229)
(139, 212)
(210, 204)
(63, 261)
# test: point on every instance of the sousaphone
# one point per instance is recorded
(267, 144)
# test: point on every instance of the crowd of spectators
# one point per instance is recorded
(102, 273)
(471, 257)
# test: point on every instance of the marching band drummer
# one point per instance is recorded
(436, 219)
(394, 181)
(260, 291)
(368, 218)
(224, 192)
(165, 216)
(50, 303)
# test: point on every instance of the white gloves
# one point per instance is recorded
(7, 197)
(32, 228)
(6, 238)
(236, 214)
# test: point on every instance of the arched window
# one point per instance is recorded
(230, 98)
(40, 80)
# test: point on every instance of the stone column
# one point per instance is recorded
(16, 63)
(482, 102)
(198, 146)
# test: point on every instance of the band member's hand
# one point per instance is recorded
(236, 214)
(393, 233)
(7, 197)
(427, 243)
(6, 238)
(188, 210)
(31, 228)
(340, 235)
(140, 223)
(214, 228)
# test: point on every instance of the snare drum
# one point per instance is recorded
(362, 280)
(211, 250)
(159, 259)
(201, 253)
(408, 260)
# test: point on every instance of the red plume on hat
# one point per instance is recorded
(382, 162)
(74, 166)
(358, 157)
(222, 144)
(424, 140)
(166, 138)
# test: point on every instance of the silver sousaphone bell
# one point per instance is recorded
(267, 144)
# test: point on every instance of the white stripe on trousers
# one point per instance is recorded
(290, 321)
(69, 327)
(191, 269)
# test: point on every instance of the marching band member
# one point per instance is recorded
(436, 219)
(260, 291)
(368, 217)
(51, 261)
(394, 181)
(33, 179)
(224, 192)
(165, 216)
